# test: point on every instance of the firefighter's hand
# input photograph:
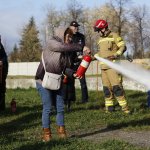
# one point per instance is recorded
(76, 76)
(96, 55)
(111, 57)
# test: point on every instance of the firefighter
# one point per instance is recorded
(3, 75)
(110, 46)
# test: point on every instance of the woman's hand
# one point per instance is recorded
(86, 50)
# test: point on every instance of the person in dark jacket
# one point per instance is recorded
(55, 62)
(69, 82)
(3, 75)
(79, 38)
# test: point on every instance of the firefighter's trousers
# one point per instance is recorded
(112, 87)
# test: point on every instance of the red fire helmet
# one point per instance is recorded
(100, 24)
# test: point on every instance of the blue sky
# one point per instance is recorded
(15, 13)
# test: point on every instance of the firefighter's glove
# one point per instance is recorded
(129, 59)
(94, 57)
(111, 57)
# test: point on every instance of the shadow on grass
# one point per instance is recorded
(96, 107)
(42, 146)
(19, 123)
(85, 106)
(20, 110)
(112, 127)
(135, 123)
(136, 94)
(24, 118)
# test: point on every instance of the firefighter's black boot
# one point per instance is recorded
(126, 110)
(109, 109)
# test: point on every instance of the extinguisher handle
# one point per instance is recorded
(80, 57)
(76, 76)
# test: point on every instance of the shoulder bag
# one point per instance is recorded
(51, 81)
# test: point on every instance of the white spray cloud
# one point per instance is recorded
(130, 70)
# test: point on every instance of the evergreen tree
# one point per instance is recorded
(30, 47)
(13, 57)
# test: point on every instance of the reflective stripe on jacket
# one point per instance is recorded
(113, 44)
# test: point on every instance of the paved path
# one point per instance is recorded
(139, 138)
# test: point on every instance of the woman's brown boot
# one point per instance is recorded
(46, 135)
(61, 132)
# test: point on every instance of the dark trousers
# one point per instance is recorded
(69, 92)
(2, 101)
(84, 90)
(2, 95)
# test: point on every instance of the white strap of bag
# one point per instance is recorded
(43, 62)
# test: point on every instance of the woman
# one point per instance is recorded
(55, 62)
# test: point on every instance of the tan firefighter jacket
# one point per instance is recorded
(110, 45)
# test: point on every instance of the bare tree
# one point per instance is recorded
(74, 9)
(134, 41)
(54, 19)
(115, 12)
(120, 12)
(139, 20)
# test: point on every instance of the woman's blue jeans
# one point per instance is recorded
(47, 98)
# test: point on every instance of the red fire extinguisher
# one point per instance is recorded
(83, 66)
(13, 105)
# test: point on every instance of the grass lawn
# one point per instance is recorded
(22, 130)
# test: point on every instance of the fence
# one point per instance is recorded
(22, 68)
(29, 68)
(93, 83)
